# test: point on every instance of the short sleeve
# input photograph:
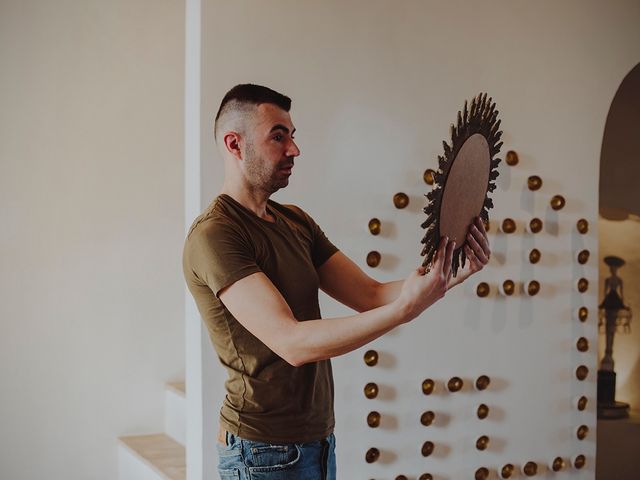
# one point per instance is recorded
(219, 255)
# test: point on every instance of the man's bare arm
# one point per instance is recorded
(260, 308)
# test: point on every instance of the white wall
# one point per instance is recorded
(91, 208)
(375, 85)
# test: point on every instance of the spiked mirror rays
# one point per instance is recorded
(480, 119)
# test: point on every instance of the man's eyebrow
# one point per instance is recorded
(279, 126)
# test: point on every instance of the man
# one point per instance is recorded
(254, 268)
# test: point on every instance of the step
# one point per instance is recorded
(151, 457)
(175, 411)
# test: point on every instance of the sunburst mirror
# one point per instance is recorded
(466, 175)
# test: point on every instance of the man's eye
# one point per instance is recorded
(278, 138)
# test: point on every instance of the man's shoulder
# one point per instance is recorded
(214, 220)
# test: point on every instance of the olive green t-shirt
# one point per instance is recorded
(267, 399)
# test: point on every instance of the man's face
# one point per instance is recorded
(270, 148)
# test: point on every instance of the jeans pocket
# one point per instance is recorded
(229, 474)
(262, 457)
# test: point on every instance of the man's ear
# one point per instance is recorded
(232, 144)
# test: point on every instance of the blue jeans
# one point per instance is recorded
(242, 459)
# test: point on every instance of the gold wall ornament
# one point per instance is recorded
(483, 411)
(582, 226)
(426, 476)
(579, 461)
(508, 287)
(581, 403)
(373, 259)
(512, 158)
(375, 226)
(371, 358)
(373, 419)
(557, 464)
(582, 344)
(372, 455)
(371, 390)
(534, 255)
(400, 200)
(402, 477)
(508, 225)
(583, 314)
(583, 257)
(557, 202)
(482, 443)
(530, 469)
(482, 290)
(534, 225)
(534, 182)
(427, 448)
(582, 432)
(507, 471)
(482, 473)
(429, 176)
(427, 418)
(482, 382)
(455, 384)
(583, 285)
(582, 372)
(465, 176)
(533, 287)
(428, 386)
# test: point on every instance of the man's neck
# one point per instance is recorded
(252, 199)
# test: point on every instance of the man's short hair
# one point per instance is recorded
(247, 95)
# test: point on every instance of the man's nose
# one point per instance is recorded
(293, 150)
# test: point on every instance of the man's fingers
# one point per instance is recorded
(439, 255)
(478, 250)
(446, 268)
(480, 226)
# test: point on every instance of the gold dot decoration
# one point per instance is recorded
(583, 285)
(429, 176)
(371, 390)
(400, 200)
(426, 476)
(582, 432)
(427, 448)
(582, 226)
(534, 182)
(508, 287)
(374, 226)
(482, 443)
(373, 419)
(428, 386)
(533, 287)
(371, 358)
(530, 469)
(507, 471)
(582, 344)
(583, 314)
(582, 372)
(482, 473)
(372, 455)
(482, 382)
(482, 290)
(579, 461)
(427, 418)
(534, 256)
(455, 384)
(582, 403)
(483, 411)
(508, 225)
(512, 158)
(557, 202)
(557, 464)
(373, 259)
(583, 257)
(402, 477)
(535, 225)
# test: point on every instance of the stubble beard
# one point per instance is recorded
(261, 176)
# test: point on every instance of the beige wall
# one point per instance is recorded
(91, 209)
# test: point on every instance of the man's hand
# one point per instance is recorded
(422, 289)
(477, 250)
